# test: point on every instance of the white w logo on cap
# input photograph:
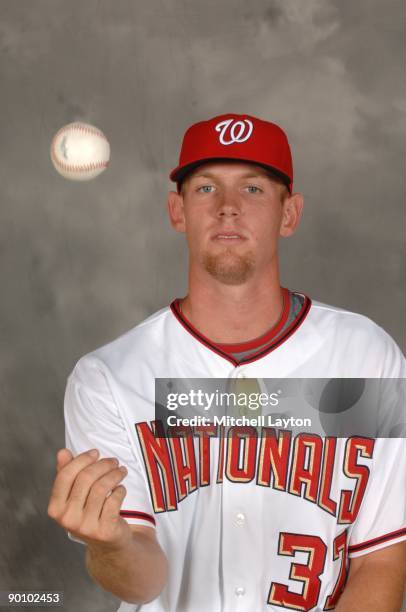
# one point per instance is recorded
(238, 131)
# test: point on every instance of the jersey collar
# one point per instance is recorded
(279, 340)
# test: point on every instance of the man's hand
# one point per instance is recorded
(86, 499)
(80, 500)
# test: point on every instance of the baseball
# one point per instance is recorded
(80, 151)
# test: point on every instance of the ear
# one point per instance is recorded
(292, 209)
(176, 211)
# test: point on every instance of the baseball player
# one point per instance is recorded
(238, 522)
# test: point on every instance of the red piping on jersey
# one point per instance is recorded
(137, 515)
(375, 541)
(300, 317)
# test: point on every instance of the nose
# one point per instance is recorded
(228, 205)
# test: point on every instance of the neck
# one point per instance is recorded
(227, 313)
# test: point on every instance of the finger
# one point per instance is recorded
(112, 505)
(86, 479)
(63, 457)
(64, 480)
(73, 515)
(101, 488)
(112, 529)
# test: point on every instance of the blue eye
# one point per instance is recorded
(205, 188)
(253, 189)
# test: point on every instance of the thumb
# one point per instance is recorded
(63, 457)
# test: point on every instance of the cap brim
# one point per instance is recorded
(178, 174)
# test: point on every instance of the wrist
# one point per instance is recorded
(106, 549)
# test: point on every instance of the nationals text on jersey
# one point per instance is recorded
(302, 465)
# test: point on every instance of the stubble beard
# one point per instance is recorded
(228, 267)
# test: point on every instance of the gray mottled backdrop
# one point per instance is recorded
(82, 263)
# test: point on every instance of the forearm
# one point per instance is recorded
(135, 574)
(374, 586)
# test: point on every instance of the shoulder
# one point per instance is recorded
(126, 350)
(352, 333)
(342, 319)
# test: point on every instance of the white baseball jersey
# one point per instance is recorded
(251, 526)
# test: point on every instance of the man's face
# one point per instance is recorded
(232, 215)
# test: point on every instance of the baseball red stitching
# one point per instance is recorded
(80, 128)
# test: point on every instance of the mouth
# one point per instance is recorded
(228, 237)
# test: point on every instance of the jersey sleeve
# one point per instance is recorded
(394, 362)
(382, 517)
(92, 420)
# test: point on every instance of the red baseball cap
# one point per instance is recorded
(239, 137)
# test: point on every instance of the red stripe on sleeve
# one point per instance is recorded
(375, 541)
(137, 515)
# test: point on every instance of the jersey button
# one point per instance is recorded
(239, 591)
(240, 518)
